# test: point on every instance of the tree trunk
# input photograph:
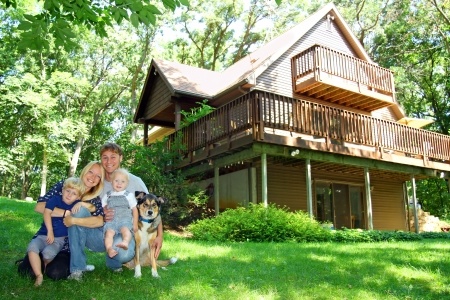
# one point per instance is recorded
(75, 157)
(44, 172)
(25, 184)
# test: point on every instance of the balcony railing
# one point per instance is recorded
(330, 75)
(259, 113)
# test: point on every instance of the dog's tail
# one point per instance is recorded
(166, 262)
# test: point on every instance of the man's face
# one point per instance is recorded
(110, 161)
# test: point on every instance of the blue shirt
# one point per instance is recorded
(59, 229)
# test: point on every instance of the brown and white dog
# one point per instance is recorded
(148, 206)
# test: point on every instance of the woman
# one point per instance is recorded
(92, 176)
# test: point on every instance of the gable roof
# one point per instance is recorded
(204, 83)
(193, 81)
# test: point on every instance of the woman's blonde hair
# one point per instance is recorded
(96, 190)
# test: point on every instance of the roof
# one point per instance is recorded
(197, 82)
(205, 83)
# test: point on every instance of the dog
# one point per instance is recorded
(148, 206)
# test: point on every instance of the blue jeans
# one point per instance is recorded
(92, 238)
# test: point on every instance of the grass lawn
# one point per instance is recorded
(402, 270)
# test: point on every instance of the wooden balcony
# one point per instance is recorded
(339, 78)
(268, 118)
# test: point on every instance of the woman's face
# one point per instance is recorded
(92, 177)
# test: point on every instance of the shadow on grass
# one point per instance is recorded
(205, 270)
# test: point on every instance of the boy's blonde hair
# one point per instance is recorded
(122, 171)
(74, 183)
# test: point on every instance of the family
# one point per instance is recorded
(75, 219)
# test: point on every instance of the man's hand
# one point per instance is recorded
(157, 244)
(109, 214)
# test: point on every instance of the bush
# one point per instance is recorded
(259, 224)
(274, 224)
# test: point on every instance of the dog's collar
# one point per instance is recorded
(146, 220)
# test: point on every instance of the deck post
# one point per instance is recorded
(264, 178)
(216, 190)
(309, 205)
(416, 218)
(252, 179)
(177, 115)
(368, 199)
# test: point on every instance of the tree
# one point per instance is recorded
(57, 18)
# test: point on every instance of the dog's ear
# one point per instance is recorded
(139, 195)
(160, 200)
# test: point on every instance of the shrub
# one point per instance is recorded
(274, 224)
(259, 224)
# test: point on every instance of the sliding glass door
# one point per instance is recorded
(340, 204)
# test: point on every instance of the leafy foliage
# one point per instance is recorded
(196, 113)
(274, 224)
(259, 224)
(56, 19)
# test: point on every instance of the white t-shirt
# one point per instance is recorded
(134, 184)
(130, 197)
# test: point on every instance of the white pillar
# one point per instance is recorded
(309, 205)
(264, 178)
(416, 218)
(368, 199)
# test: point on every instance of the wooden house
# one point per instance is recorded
(307, 121)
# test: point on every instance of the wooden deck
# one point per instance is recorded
(268, 118)
(329, 75)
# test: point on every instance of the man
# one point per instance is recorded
(87, 231)
(111, 156)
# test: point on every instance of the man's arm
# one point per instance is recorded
(157, 243)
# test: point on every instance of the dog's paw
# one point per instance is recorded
(155, 274)
(137, 272)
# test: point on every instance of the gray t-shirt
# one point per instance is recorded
(134, 184)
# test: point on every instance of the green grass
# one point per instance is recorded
(205, 270)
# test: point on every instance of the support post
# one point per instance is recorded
(416, 217)
(368, 199)
(309, 202)
(264, 178)
(216, 190)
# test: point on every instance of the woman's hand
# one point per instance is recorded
(76, 207)
(68, 220)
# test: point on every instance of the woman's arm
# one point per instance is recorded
(54, 190)
(90, 222)
(40, 208)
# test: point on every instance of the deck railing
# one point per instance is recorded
(256, 112)
(319, 59)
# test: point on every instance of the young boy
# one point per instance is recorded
(49, 239)
(125, 212)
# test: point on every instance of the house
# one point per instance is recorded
(307, 121)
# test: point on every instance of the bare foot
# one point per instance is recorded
(39, 279)
(123, 245)
(111, 252)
